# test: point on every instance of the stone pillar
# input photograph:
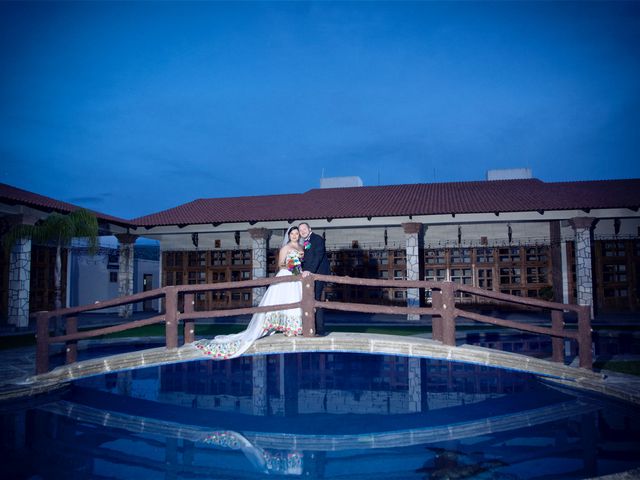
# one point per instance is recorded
(584, 271)
(259, 377)
(259, 237)
(415, 385)
(19, 283)
(412, 240)
(125, 271)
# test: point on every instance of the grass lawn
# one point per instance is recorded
(630, 367)
(211, 330)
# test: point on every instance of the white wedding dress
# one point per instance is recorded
(262, 324)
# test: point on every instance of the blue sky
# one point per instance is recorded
(131, 108)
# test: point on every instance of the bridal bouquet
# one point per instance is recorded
(294, 265)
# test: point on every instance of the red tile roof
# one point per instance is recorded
(13, 195)
(410, 199)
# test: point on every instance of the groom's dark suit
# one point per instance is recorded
(315, 261)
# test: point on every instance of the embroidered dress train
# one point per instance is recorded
(288, 321)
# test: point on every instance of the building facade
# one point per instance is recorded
(572, 242)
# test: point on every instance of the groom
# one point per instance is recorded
(314, 261)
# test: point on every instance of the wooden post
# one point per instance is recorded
(72, 345)
(171, 317)
(307, 305)
(436, 316)
(557, 343)
(42, 339)
(584, 337)
(448, 315)
(189, 324)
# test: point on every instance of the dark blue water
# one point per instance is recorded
(317, 416)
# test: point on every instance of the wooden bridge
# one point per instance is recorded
(442, 345)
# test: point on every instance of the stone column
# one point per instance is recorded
(412, 240)
(415, 385)
(259, 377)
(125, 271)
(259, 237)
(19, 283)
(584, 271)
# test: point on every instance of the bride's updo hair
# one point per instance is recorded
(286, 238)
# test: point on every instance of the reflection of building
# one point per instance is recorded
(306, 383)
(332, 383)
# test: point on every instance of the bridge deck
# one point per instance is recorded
(623, 387)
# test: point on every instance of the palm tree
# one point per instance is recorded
(57, 230)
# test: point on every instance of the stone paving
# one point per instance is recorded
(16, 364)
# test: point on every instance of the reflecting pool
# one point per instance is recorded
(318, 415)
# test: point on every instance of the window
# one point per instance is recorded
(485, 278)
(510, 254)
(173, 259)
(435, 274)
(484, 255)
(509, 276)
(614, 273)
(536, 254)
(197, 278)
(113, 277)
(218, 258)
(399, 257)
(241, 257)
(379, 257)
(434, 256)
(510, 291)
(461, 275)
(460, 255)
(113, 260)
(616, 292)
(613, 249)
(536, 275)
(197, 259)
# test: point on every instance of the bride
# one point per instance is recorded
(262, 324)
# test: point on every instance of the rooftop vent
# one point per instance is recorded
(509, 174)
(340, 182)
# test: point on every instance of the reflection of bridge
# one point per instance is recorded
(337, 442)
(340, 342)
(159, 443)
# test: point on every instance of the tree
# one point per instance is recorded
(57, 230)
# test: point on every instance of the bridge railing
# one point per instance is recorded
(443, 311)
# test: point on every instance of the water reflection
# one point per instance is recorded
(317, 383)
(319, 416)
